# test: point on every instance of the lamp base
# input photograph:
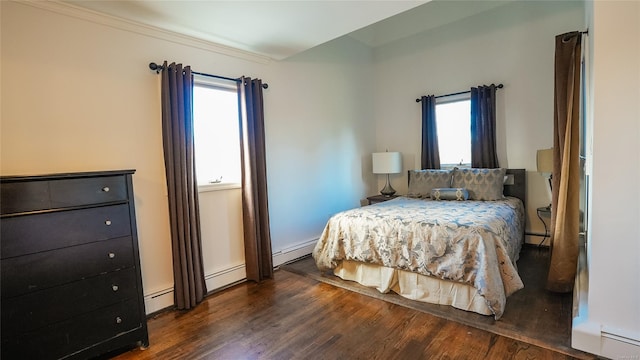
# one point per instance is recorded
(387, 190)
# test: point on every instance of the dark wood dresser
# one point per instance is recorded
(70, 270)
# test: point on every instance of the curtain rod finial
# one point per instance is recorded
(156, 67)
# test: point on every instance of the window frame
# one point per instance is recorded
(218, 84)
(447, 99)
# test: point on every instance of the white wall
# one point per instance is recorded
(222, 236)
(511, 44)
(319, 140)
(609, 325)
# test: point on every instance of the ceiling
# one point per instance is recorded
(279, 29)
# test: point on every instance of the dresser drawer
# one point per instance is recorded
(53, 194)
(29, 273)
(24, 196)
(41, 232)
(68, 337)
(87, 191)
(42, 308)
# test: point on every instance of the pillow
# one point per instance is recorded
(449, 194)
(422, 181)
(482, 184)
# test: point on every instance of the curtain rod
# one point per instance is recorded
(499, 86)
(158, 68)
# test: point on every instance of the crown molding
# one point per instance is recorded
(143, 29)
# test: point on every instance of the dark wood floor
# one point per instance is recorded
(296, 317)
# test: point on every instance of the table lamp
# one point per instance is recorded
(387, 163)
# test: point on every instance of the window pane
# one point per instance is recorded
(454, 132)
(217, 141)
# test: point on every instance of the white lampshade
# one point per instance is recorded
(387, 163)
(544, 160)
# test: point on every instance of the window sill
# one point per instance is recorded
(451, 166)
(218, 187)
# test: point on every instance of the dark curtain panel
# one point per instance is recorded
(255, 207)
(483, 127)
(430, 150)
(177, 135)
(565, 203)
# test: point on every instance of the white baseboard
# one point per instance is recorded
(594, 337)
(158, 300)
(163, 299)
(294, 252)
(225, 277)
(620, 346)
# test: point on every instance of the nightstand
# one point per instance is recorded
(544, 213)
(380, 198)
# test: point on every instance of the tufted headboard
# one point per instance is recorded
(515, 184)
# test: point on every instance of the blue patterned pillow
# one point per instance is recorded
(422, 181)
(482, 184)
(459, 194)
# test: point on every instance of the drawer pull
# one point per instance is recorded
(114, 287)
(106, 189)
(118, 320)
(107, 222)
(112, 255)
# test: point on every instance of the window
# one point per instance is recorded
(216, 132)
(453, 121)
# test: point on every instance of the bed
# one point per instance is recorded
(454, 239)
